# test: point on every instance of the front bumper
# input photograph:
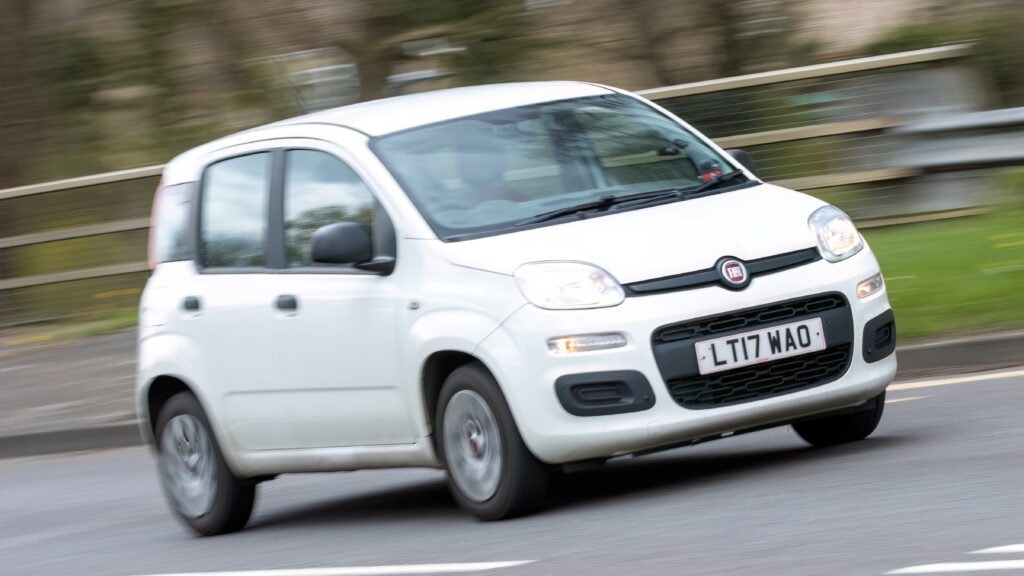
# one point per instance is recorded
(517, 353)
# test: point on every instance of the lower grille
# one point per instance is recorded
(761, 381)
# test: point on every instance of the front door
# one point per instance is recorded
(335, 334)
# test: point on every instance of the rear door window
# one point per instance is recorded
(233, 212)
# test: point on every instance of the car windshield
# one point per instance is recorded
(483, 174)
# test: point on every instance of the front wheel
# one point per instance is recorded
(844, 427)
(491, 472)
(199, 486)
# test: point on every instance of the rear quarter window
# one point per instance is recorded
(170, 238)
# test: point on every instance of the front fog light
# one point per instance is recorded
(870, 286)
(586, 343)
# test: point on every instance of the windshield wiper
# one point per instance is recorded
(713, 183)
(602, 202)
(641, 198)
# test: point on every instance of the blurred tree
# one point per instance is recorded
(993, 26)
(493, 40)
(73, 70)
(18, 92)
(487, 39)
(474, 40)
(733, 36)
(17, 123)
(652, 37)
(244, 81)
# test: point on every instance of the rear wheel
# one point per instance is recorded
(491, 472)
(196, 480)
(844, 427)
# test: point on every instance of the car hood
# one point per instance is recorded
(658, 241)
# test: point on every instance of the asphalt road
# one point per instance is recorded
(941, 478)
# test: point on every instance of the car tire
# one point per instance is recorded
(491, 473)
(196, 480)
(844, 427)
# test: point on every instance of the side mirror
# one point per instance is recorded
(349, 243)
(342, 243)
(744, 158)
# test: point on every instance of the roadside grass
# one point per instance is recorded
(957, 276)
(113, 321)
(95, 324)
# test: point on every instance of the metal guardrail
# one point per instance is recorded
(82, 181)
(77, 232)
(813, 71)
(854, 128)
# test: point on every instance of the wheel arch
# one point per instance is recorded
(436, 369)
(155, 394)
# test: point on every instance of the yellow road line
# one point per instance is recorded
(907, 399)
(34, 339)
(114, 293)
(1005, 235)
(957, 380)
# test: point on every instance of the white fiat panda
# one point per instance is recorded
(494, 281)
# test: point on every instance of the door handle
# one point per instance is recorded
(286, 302)
(191, 304)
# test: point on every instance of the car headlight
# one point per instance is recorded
(838, 238)
(567, 285)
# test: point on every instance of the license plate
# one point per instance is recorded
(760, 346)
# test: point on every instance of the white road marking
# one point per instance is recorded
(958, 380)
(33, 538)
(368, 570)
(907, 399)
(1011, 549)
(949, 567)
(19, 367)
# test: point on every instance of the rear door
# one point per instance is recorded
(228, 307)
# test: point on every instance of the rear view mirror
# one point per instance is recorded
(342, 243)
(744, 158)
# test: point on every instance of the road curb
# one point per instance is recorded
(966, 354)
(969, 354)
(72, 440)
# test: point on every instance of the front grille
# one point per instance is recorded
(752, 318)
(760, 381)
(674, 351)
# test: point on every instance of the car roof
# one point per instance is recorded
(380, 117)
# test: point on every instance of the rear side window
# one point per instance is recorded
(233, 212)
(171, 225)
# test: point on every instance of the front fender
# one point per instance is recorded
(443, 330)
